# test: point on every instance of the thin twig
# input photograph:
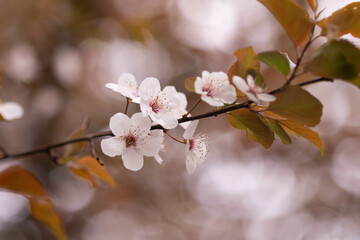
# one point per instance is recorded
(172, 137)
(46, 148)
(93, 152)
(195, 105)
(127, 105)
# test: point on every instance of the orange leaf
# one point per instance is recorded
(91, 165)
(343, 21)
(81, 172)
(244, 65)
(313, 4)
(306, 133)
(43, 211)
(293, 18)
(19, 180)
(74, 148)
(189, 84)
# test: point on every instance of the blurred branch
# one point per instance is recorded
(90, 138)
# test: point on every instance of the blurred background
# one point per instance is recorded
(57, 56)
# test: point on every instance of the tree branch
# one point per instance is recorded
(91, 137)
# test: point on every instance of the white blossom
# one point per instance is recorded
(133, 140)
(251, 90)
(196, 147)
(215, 88)
(126, 86)
(11, 110)
(158, 105)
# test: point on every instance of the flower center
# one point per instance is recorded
(130, 140)
(208, 90)
(155, 106)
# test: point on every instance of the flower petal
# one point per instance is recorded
(151, 145)
(158, 159)
(190, 164)
(266, 97)
(228, 94)
(198, 85)
(240, 84)
(132, 159)
(127, 85)
(148, 87)
(11, 110)
(113, 146)
(140, 125)
(119, 124)
(190, 130)
(250, 81)
(215, 102)
(167, 119)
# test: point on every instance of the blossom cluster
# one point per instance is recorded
(134, 138)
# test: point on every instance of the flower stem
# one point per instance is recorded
(196, 104)
(127, 105)
(174, 138)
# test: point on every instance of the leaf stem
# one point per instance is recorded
(195, 105)
(127, 105)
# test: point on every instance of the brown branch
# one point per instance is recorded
(91, 137)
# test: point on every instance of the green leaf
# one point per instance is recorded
(248, 120)
(190, 84)
(293, 18)
(245, 64)
(275, 60)
(343, 21)
(278, 130)
(336, 59)
(306, 133)
(297, 105)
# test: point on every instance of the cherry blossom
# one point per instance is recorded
(251, 90)
(215, 88)
(126, 86)
(133, 139)
(196, 147)
(11, 110)
(159, 105)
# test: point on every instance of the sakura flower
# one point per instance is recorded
(158, 105)
(133, 140)
(215, 88)
(10, 111)
(251, 90)
(196, 147)
(126, 86)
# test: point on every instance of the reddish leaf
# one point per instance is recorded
(293, 18)
(313, 4)
(343, 21)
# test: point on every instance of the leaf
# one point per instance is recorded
(336, 59)
(297, 105)
(244, 65)
(293, 18)
(82, 173)
(306, 133)
(91, 165)
(278, 130)
(19, 180)
(248, 120)
(275, 60)
(190, 84)
(72, 149)
(343, 21)
(313, 4)
(43, 211)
